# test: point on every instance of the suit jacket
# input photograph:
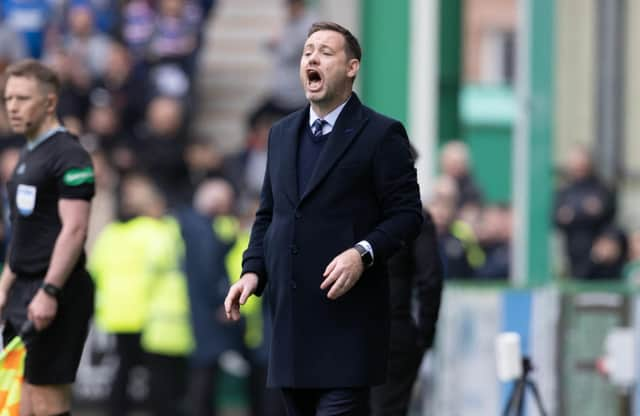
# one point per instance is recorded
(363, 187)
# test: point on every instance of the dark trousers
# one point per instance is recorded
(130, 354)
(264, 401)
(167, 384)
(405, 357)
(201, 393)
(327, 402)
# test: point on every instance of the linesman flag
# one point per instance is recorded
(12, 370)
(11, 373)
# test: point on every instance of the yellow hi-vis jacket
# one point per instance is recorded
(125, 261)
(252, 309)
(167, 330)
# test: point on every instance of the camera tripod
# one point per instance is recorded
(515, 405)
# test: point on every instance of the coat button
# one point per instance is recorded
(294, 250)
(293, 285)
(298, 215)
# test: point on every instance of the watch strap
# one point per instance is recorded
(51, 290)
(365, 255)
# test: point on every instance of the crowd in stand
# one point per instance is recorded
(474, 236)
(127, 74)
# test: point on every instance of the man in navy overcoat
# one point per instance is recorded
(339, 197)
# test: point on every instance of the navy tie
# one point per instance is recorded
(316, 127)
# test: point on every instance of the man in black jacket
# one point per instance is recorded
(415, 273)
(582, 209)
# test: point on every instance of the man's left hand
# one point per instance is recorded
(342, 273)
(42, 310)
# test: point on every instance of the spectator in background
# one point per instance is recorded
(583, 207)
(125, 85)
(457, 229)
(205, 252)
(85, 45)
(125, 261)
(75, 80)
(285, 92)
(167, 337)
(415, 274)
(103, 122)
(175, 36)
(159, 149)
(467, 228)
(445, 189)
(608, 254)
(103, 132)
(456, 263)
(12, 46)
(30, 19)
(454, 162)
(105, 14)
(246, 169)
(203, 160)
(136, 27)
(495, 241)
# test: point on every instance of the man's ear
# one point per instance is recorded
(52, 102)
(353, 67)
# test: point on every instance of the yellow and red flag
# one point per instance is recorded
(11, 373)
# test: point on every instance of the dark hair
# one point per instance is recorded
(352, 46)
(32, 68)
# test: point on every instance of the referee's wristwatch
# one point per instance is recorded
(51, 290)
(366, 253)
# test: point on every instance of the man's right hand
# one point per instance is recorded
(238, 295)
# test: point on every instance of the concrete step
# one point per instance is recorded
(234, 68)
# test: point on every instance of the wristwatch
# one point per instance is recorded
(365, 255)
(51, 290)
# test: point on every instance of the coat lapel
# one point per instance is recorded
(289, 172)
(349, 123)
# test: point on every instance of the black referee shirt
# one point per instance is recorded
(55, 168)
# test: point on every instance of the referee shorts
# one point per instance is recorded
(53, 355)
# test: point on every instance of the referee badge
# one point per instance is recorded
(78, 176)
(25, 199)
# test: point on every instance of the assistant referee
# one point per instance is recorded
(44, 278)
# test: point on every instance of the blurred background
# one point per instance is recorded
(523, 112)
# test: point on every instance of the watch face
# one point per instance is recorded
(366, 257)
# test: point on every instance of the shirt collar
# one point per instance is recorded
(330, 118)
(44, 136)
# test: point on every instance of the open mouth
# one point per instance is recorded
(314, 79)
